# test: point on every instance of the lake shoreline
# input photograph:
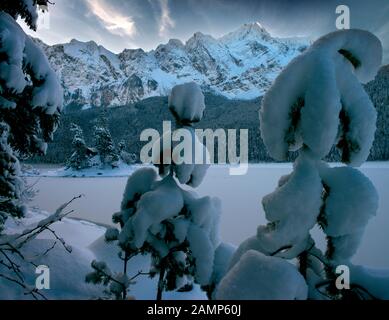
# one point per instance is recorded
(60, 172)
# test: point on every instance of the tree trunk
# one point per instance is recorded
(125, 272)
(160, 282)
(303, 263)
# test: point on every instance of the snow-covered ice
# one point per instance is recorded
(233, 192)
(240, 197)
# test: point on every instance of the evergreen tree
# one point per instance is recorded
(104, 143)
(178, 229)
(30, 106)
(122, 146)
(315, 103)
(11, 185)
(25, 9)
(82, 154)
(30, 98)
(126, 157)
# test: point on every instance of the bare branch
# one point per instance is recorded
(34, 292)
(140, 273)
(11, 245)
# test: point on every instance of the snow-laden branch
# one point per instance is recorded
(315, 103)
(11, 248)
(20, 56)
(303, 107)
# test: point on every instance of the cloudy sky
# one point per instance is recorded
(119, 24)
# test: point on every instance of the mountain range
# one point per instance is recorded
(240, 65)
(127, 122)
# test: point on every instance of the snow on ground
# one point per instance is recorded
(68, 270)
(123, 170)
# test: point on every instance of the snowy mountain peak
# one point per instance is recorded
(91, 45)
(248, 31)
(199, 38)
(89, 50)
(240, 65)
(175, 43)
(253, 28)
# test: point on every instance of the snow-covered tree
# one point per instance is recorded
(105, 147)
(117, 284)
(82, 154)
(316, 102)
(30, 99)
(30, 106)
(122, 145)
(25, 9)
(175, 226)
(104, 143)
(11, 185)
(126, 157)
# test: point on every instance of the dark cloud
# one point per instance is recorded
(119, 24)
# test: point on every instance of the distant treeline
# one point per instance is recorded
(127, 123)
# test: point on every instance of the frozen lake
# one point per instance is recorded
(241, 202)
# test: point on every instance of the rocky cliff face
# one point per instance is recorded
(240, 65)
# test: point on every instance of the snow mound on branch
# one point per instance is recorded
(205, 212)
(251, 243)
(189, 159)
(292, 209)
(362, 45)
(260, 277)
(186, 101)
(359, 116)
(305, 91)
(163, 202)
(303, 105)
(345, 247)
(345, 213)
(202, 250)
(203, 234)
(140, 182)
(223, 255)
(20, 53)
(12, 47)
(196, 160)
